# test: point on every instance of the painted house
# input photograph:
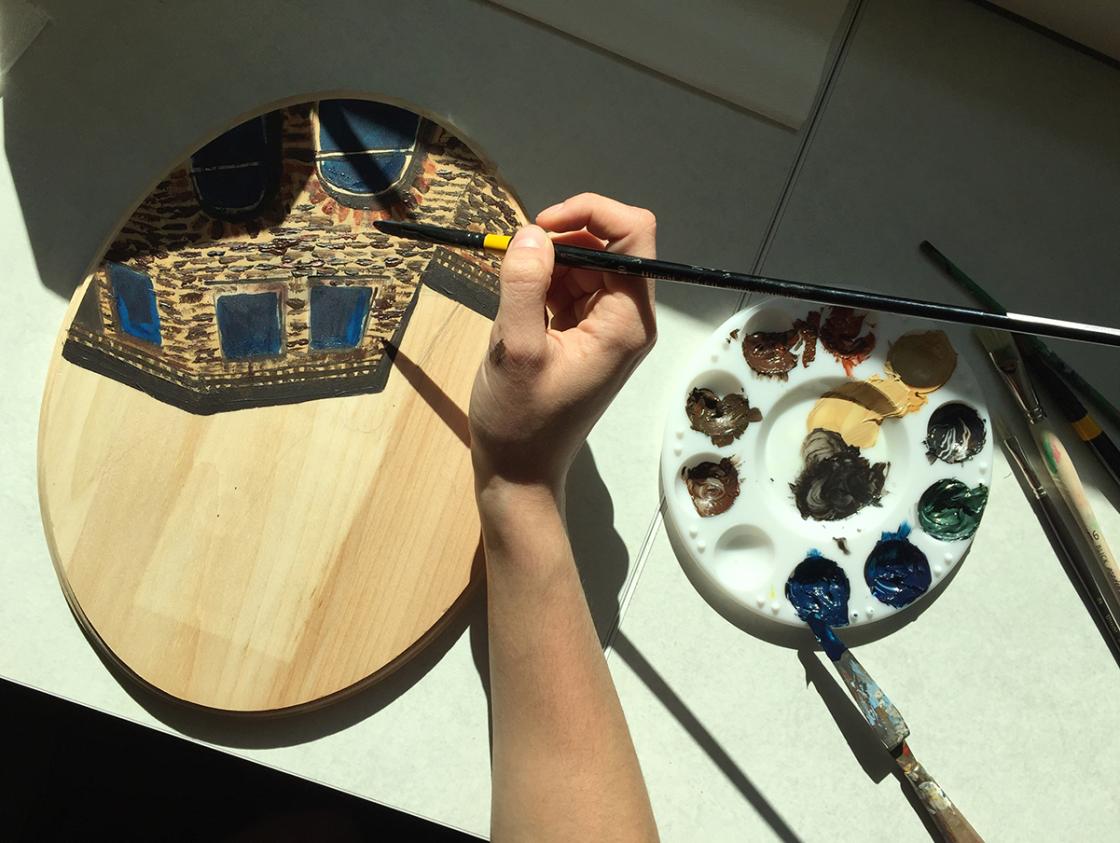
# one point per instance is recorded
(253, 275)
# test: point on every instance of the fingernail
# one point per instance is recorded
(529, 237)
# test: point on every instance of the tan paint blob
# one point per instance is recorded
(918, 363)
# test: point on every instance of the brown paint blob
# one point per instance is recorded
(841, 335)
(713, 487)
(721, 419)
(770, 352)
(923, 360)
(773, 353)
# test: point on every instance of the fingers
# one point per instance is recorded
(525, 278)
(627, 229)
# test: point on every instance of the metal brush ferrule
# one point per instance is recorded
(1014, 374)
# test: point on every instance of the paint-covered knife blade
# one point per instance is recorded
(886, 722)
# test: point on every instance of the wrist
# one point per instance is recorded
(500, 497)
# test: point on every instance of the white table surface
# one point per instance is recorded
(925, 133)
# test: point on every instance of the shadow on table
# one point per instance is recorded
(661, 689)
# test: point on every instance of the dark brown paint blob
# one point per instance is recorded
(722, 419)
(774, 353)
(836, 480)
(713, 487)
(770, 352)
(841, 335)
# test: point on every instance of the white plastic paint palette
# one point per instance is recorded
(748, 552)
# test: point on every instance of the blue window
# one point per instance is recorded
(236, 173)
(136, 303)
(364, 148)
(249, 324)
(338, 316)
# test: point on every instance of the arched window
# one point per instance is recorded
(249, 324)
(236, 173)
(338, 316)
(135, 302)
(364, 150)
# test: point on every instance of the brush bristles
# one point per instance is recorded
(995, 341)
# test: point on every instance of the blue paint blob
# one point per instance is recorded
(896, 571)
(249, 324)
(831, 644)
(819, 590)
(136, 303)
(338, 315)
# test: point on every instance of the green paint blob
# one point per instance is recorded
(950, 511)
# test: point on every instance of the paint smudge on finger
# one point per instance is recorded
(955, 433)
(896, 571)
(722, 419)
(950, 511)
(819, 589)
(836, 481)
(498, 353)
(713, 487)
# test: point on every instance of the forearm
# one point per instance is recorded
(564, 764)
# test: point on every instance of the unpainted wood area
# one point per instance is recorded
(271, 557)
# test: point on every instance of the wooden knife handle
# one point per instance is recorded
(946, 816)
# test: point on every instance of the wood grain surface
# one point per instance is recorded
(272, 557)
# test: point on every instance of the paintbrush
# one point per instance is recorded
(1003, 354)
(886, 722)
(1084, 425)
(1103, 405)
(576, 256)
(1046, 508)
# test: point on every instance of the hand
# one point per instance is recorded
(547, 380)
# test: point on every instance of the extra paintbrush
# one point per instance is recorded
(1052, 524)
(576, 256)
(1001, 349)
(886, 722)
(1103, 405)
(1084, 425)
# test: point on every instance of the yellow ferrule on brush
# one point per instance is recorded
(1087, 428)
(497, 242)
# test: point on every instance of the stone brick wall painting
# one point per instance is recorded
(252, 274)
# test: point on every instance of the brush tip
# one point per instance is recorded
(994, 340)
(386, 226)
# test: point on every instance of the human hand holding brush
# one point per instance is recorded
(563, 343)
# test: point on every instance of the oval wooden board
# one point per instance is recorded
(269, 557)
(274, 557)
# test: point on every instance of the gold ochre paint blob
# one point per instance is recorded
(917, 364)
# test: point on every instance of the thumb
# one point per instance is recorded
(525, 278)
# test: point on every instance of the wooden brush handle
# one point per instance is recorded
(949, 820)
(1064, 475)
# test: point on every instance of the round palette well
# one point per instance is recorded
(918, 489)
